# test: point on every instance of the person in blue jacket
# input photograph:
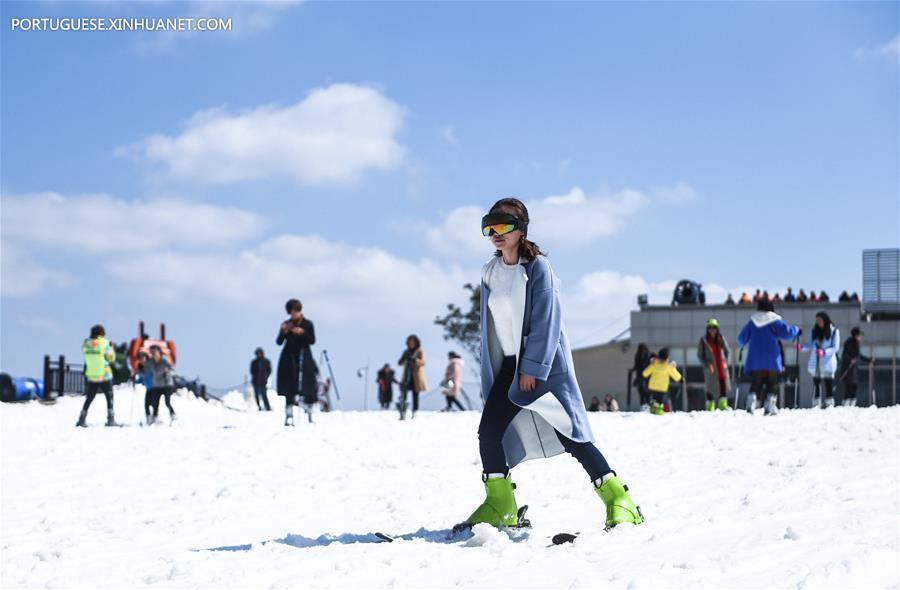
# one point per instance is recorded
(764, 357)
(533, 406)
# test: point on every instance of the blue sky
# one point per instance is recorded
(342, 153)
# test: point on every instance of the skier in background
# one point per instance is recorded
(413, 362)
(713, 353)
(642, 358)
(765, 359)
(452, 383)
(98, 354)
(260, 369)
(385, 381)
(297, 372)
(823, 345)
(850, 359)
(159, 375)
(660, 372)
(533, 405)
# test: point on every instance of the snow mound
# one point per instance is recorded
(233, 499)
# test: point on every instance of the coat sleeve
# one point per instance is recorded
(832, 347)
(648, 371)
(268, 368)
(701, 353)
(281, 335)
(419, 359)
(546, 325)
(674, 374)
(744, 337)
(726, 350)
(786, 331)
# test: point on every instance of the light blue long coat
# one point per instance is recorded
(544, 353)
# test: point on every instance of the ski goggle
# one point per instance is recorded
(500, 224)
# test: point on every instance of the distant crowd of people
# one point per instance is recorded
(829, 362)
(789, 297)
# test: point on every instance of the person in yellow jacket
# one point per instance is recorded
(660, 371)
(98, 354)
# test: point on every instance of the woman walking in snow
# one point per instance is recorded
(533, 406)
(297, 371)
(823, 344)
(452, 384)
(413, 362)
(765, 359)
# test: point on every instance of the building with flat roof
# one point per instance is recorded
(604, 369)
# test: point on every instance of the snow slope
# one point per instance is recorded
(808, 499)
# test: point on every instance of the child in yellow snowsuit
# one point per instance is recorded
(660, 371)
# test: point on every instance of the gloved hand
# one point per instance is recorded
(820, 352)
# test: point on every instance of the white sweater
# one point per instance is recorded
(500, 304)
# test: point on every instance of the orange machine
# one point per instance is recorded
(143, 343)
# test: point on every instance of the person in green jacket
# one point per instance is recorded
(98, 354)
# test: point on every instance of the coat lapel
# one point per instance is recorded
(519, 295)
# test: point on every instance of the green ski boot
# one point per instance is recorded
(499, 507)
(723, 403)
(710, 405)
(657, 409)
(620, 507)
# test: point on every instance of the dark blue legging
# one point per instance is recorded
(499, 413)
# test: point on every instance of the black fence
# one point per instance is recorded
(61, 378)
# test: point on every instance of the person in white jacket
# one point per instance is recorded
(824, 343)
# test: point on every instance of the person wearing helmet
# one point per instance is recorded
(714, 353)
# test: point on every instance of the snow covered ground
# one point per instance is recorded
(808, 499)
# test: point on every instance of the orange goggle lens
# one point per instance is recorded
(498, 228)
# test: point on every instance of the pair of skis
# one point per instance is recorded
(522, 525)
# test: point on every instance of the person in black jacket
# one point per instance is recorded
(642, 358)
(260, 369)
(386, 380)
(850, 358)
(297, 371)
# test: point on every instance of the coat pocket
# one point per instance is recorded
(559, 365)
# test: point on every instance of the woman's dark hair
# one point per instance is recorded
(293, 304)
(765, 305)
(527, 249)
(97, 331)
(415, 339)
(663, 354)
(822, 333)
(453, 355)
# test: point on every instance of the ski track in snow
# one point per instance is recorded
(807, 499)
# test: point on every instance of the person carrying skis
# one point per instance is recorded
(850, 359)
(452, 383)
(660, 372)
(533, 405)
(98, 354)
(413, 362)
(713, 353)
(297, 371)
(765, 359)
(823, 345)
(260, 369)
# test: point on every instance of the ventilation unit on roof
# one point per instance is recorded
(881, 281)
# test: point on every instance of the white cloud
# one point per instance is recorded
(448, 135)
(103, 223)
(22, 276)
(553, 219)
(338, 279)
(891, 49)
(331, 137)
